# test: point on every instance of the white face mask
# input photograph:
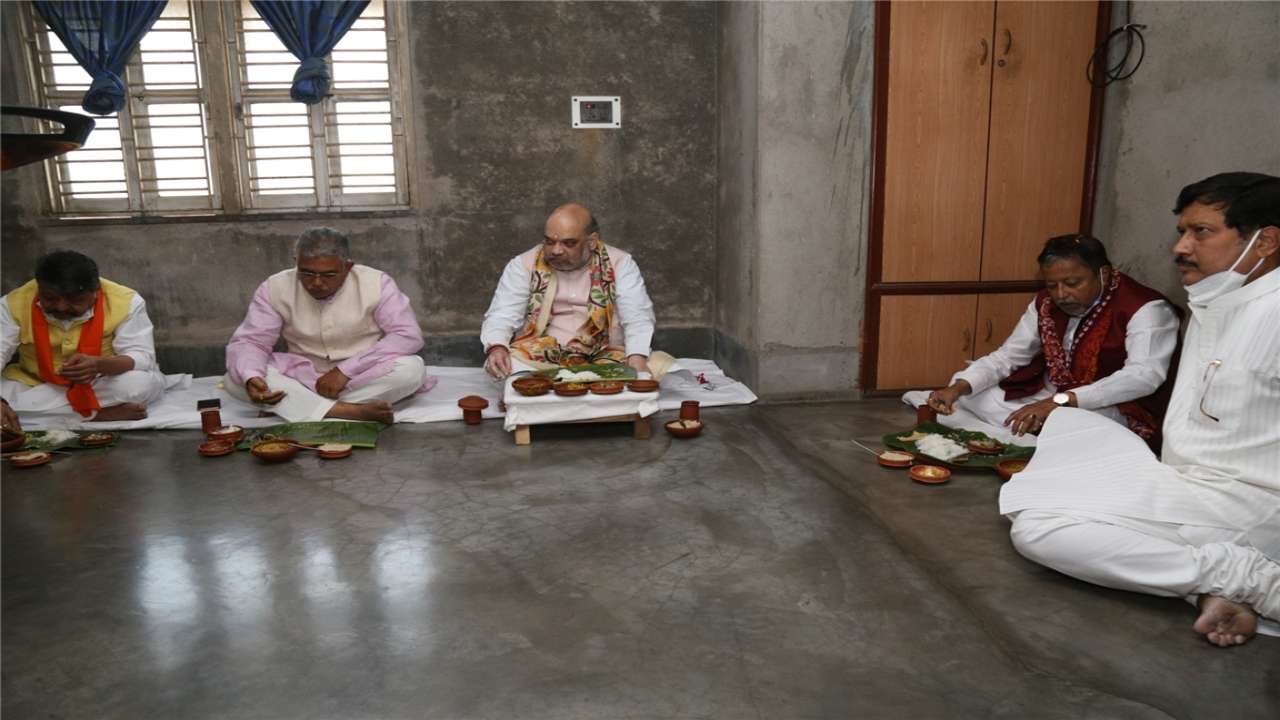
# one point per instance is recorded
(1208, 289)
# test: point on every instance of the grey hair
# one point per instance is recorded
(322, 242)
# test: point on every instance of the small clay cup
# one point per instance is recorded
(97, 439)
(531, 386)
(930, 474)
(606, 387)
(891, 462)
(689, 410)
(34, 458)
(227, 433)
(1008, 468)
(925, 414)
(566, 389)
(643, 386)
(275, 451)
(216, 448)
(684, 433)
(471, 406)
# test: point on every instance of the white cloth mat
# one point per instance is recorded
(177, 410)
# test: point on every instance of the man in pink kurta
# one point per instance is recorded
(351, 335)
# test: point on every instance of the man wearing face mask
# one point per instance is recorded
(1094, 338)
(570, 300)
(1203, 521)
(84, 343)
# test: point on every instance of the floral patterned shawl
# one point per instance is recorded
(591, 344)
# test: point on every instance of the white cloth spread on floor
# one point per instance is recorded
(690, 379)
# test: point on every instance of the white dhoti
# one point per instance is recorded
(1096, 504)
(987, 410)
(138, 387)
(302, 404)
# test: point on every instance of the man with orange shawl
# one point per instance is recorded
(82, 341)
(571, 300)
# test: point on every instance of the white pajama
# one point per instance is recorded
(140, 387)
(302, 404)
(1096, 504)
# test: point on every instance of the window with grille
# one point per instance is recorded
(209, 125)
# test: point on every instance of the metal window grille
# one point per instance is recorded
(209, 125)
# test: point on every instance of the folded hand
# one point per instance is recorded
(332, 383)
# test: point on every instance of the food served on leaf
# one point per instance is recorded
(577, 377)
(96, 439)
(29, 459)
(941, 447)
(895, 458)
(930, 474)
(986, 446)
(606, 387)
(914, 436)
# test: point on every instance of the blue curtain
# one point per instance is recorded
(310, 29)
(101, 36)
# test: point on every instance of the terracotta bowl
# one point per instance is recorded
(569, 389)
(334, 451)
(471, 406)
(531, 386)
(684, 429)
(216, 448)
(643, 386)
(34, 458)
(606, 387)
(986, 447)
(1008, 468)
(227, 433)
(13, 442)
(896, 459)
(274, 451)
(97, 439)
(930, 474)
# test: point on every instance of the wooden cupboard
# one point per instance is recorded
(986, 132)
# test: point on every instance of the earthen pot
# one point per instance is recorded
(334, 451)
(689, 410)
(97, 439)
(930, 474)
(275, 451)
(471, 406)
(34, 458)
(570, 389)
(925, 414)
(606, 387)
(684, 428)
(531, 386)
(643, 386)
(227, 433)
(1008, 468)
(216, 448)
(895, 458)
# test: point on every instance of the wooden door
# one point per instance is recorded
(997, 316)
(1039, 131)
(924, 339)
(940, 60)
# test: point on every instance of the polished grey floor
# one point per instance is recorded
(768, 569)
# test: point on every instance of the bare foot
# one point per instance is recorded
(124, 411)
(1225, 623)
(379, 410)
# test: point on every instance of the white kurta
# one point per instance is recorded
(506, 312)
(1221, 473)
(1150, 339)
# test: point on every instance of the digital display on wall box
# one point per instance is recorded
(592, 111)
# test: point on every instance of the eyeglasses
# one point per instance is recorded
(312, 275)
(1209, 373)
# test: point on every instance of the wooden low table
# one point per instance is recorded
(640, 430)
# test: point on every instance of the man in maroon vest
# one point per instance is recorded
(1094, 338)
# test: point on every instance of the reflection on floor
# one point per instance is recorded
(767, 569)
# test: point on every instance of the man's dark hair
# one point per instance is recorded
(67, 273)
(1247, 200)
(1085, 248)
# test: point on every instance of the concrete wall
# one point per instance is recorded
(795, 148)
(1205, 100)
(494, 154)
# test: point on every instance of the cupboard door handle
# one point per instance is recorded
(983, 61)
(1008, 40)
(990, 329)
(968, 339)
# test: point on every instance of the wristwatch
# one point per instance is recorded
(1061, 399)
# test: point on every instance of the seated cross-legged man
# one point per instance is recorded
(1094, 338)
(84, 343)
(351, 335)
(570, 300)
(1202, 521)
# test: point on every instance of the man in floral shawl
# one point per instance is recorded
(571, 300)
(1094, 338)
